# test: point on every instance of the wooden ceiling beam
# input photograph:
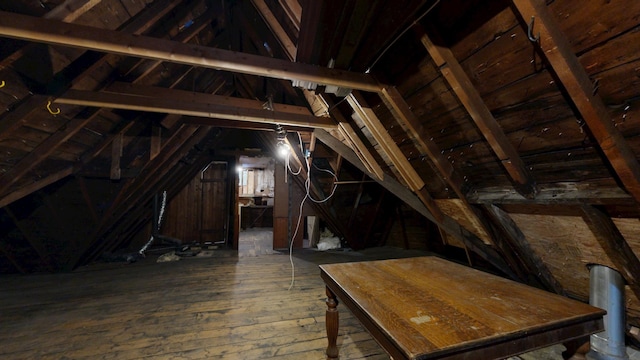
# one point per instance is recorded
(204, 98)
(476, 108)
(217, 107)
(57, 33)
(556, 49)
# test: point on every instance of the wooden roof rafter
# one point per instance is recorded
(462, 86)
(471, 241)
(391, 150)
(553, 46)
(14, 119)
(68, 11)
(276, 28)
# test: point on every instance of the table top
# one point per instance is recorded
(429, 308)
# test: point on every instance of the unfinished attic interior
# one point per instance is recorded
(501, 135)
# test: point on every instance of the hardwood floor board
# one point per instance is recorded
(221, 307)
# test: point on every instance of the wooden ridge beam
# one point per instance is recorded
(57, 33)
(614, 245)
(471, 241)
(217, 107)
(556, 49)
(476, 108)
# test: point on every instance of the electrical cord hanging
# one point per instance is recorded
(307, 186)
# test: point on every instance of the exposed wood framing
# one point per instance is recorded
(35, 186)
(68, 11)
(143, 68)
(54, 32)
(87, 198)
(12, 120)
(315, 191)
(353, 140)
(393, 152)
(478, 111)
(216, 107)
(409, 121)
(470, 240)
(136, 191)
(156, 141)
(557, 193)
(116, 155)
(525, 254)
(555, 48)
(275, 27)
(614, 245)
(42, 151)
(7, 252)
(293, 10)
(360, 149)
(36, 244)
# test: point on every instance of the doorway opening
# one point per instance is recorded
(255, 201)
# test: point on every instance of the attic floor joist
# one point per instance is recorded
(85, 37)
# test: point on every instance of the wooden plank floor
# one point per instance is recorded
(222, 307)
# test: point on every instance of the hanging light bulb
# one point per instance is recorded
(283, 149)
(282, 146)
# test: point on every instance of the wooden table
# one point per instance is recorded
(429, 308)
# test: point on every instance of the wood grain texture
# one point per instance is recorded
(430, 308)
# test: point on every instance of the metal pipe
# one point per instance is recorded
(606, 291)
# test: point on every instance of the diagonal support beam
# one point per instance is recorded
(477, 109)
(614, 245)
(523, 250)
(390, 149)
(42, 151)
(57, 33)
(471, 241)
(555, 48)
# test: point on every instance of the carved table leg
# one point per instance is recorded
(332, 325)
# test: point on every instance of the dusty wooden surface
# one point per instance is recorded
(223, 307)
(427, 307)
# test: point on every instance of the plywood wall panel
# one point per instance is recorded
(456, 209)
(566, 245)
